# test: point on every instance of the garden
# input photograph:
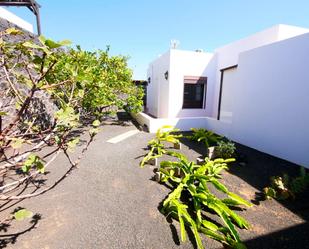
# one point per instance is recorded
(201, 200)
(57, 110)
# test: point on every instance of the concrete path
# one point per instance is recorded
(109, 202)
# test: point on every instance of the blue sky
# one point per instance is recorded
(144, 29)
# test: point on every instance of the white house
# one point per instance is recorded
(254, 91)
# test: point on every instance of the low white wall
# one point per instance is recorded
(184, 124)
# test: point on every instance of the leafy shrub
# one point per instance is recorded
(157, 149)
(192, 199)
(195, 180)
(99, 83)
(283, 188)
(202, 135)
(225, 149)
(30, 72)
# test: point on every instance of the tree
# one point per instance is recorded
(100, 83)
(45, 90)
(26, 67)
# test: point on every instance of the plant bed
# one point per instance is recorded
(274, 224)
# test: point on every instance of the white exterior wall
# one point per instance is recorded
(270, 107)
(271, 104)
(188, 63)
(165, 97)
(7, 15)
(228, 55)
(158, 89)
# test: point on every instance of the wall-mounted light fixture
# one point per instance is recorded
(149, 80)
(166, 75)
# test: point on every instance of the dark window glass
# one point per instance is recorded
(193, 95)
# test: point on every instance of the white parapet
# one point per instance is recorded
(9, 16)
(184, 124)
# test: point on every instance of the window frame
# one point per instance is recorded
(221, 87)
(195, 80)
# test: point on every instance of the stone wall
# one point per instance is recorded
(41, 108)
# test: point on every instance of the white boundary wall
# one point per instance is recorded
(271, 99)
(7, 15)
(271, 103)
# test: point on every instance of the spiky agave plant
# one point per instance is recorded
(195, 181)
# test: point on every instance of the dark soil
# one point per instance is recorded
(274, 224)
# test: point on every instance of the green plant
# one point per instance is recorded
(30, 138)
(202, 135)
(157, 148)
(192, 198)
(284, 187)
(99, 83)
(195, 180)
(225, 149)
(167, 134)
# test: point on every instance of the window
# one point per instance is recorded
(194, 89)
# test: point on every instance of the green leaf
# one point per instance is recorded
(219, 185)
(182, 228)
(25, 168)
(231, 227)
(94, 131)
(66, 117)
(196, 235)
(241, 222)
(239, 199)
(57, 139)
(17, 143)
(238, 245)
(3, 113)
(65, 42)
(212, 234)
(96, 123)
(72, 144)
(51, 44)
(40, 166)
(81, 93)
(209, 225)
(36, 60)
(33, 161)
(42, 39)
(231, 202)
(225, 219)
(270, 192)
(22, 214)
(13, 31)
(30, 44)
(17, 105)
(230, 160)
(175, 194)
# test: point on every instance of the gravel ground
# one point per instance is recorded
(109, 202)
